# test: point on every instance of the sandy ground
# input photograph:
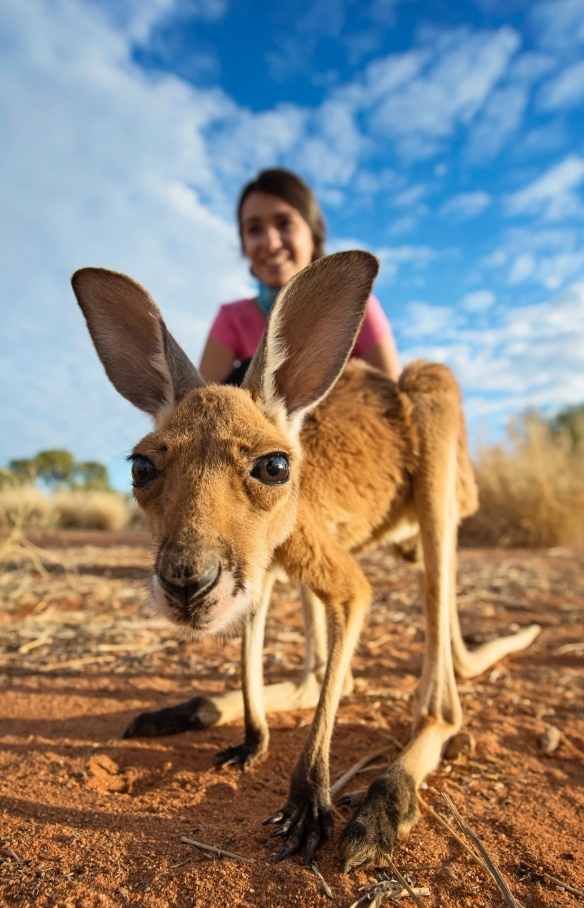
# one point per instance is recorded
(89, 819)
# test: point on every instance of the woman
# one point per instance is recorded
(282, 230)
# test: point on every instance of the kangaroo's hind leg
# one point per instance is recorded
(389, 808)
(471, 663)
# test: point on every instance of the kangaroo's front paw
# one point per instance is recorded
(388, 811)
(200, 712)
(254, 747)
(307, 817)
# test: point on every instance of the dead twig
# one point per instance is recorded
(548, 878)
(433, 813)
(388, 890)
(566, 886)
(325, 886)
(489, 863)
(214, 850)
(352, 772)
(401, 879)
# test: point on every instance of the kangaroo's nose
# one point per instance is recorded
(189, 591)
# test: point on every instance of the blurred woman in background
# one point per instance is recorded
(282, 230)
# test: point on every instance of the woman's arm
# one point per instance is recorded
(384, 356)
(216, 362)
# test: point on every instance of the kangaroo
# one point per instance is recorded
(311, 461)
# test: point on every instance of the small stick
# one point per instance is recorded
(491, 866)
(74, 663)
(220, 851)
(14, 856)
(451, 831)
(401, 879)
(566, 886)
(325, 886)
(388, 894)
(352, 772)
(552, 879)
(32, 644)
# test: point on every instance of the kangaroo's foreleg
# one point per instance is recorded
(306, 816)
(257, 734)
(217, 709)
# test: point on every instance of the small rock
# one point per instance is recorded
(462, 743)
(550, 740)
(101, 763)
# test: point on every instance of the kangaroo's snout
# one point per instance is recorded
(187, 592)
(198, 588)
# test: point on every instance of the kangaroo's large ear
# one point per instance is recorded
(139, 354)
(310, 333)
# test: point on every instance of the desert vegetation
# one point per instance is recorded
(531, 488)
(53, 490)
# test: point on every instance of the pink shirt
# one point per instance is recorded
(239, 327)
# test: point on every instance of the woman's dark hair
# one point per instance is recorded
(286, 185)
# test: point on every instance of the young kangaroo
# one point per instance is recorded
(281, 472)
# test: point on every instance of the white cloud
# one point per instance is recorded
(559, 23)
(103, 166)
(522, 268)
(465, 205)
(410, 196)
(551, 194)
(478, 301)
(419, 97)
(500, 119)
(392, 258)
(549, 257)
(137, 18)
(421, 319)
(565, 90)
(514, 364)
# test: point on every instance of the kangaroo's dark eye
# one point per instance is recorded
(272, 469)
(143, 471)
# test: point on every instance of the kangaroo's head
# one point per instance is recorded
(218, 479)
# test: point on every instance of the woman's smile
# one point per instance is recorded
(276, 238)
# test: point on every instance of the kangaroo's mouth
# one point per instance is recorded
(218, 607)
(187, 597)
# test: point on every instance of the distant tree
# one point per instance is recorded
(55, 467)
(91, 475)
(570, 421)
(24, 470)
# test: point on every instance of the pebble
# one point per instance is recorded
(550, 740)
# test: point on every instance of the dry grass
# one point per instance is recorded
(531, 491)
(26, 506)
(76, 509)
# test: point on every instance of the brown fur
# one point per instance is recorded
(373, 461)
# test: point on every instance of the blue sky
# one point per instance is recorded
(447, 137)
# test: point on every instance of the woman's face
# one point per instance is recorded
(276, 238)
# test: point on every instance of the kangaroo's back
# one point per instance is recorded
(361, 451)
